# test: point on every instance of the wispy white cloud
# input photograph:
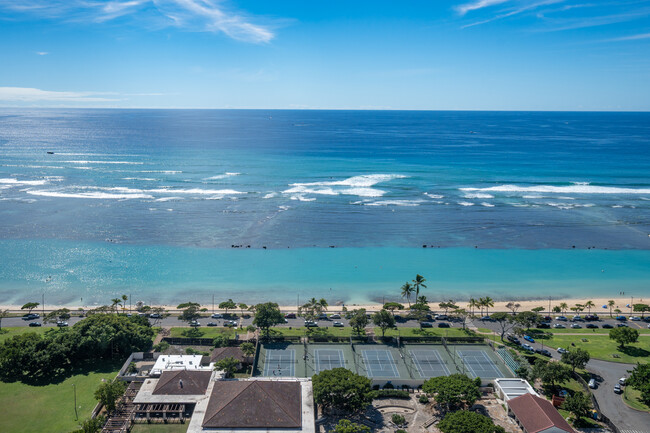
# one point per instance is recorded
(515, 11)
(191, 15)
(42, 53)
(554, 25)
(29, 94)
(477, 4)
(631, 38)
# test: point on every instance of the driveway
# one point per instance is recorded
(611, 404)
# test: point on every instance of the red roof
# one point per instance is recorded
(537, 414)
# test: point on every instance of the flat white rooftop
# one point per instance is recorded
(508, 388)
(178, 362)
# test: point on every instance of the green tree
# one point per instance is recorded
(248, 349)
(487, 303)
(527, 319)
(115, 302)
(228, 365)
(418, 283)
(384, 320)
(108, 393)
(537, 309)
(30, 306)
(341, 389)
(3, 314)
(407, 292)
(227, 305)
(589, 305)
(576, 358)
(312, 309)
(578, 404)
(624, 335)
(452, 392)
(190, 311)
(611, 305)
(92, 425)
(551, 373)
(242, 307)
(56, 315)
(449, 305)
(505, 322)
(268, 314)
(641, 308)
(359, 320)
(462, 314)
(392, 306)
(513, 306)
(220, 340)
(640, 380)
(464, 421)
(563, 307)
(346, 426)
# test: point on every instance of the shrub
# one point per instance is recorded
(423, 399)
(390, 393)
(389, 386)
(161, 347)
(398, 419)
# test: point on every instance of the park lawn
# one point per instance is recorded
(645, 332)
(50, 408)
(602, 347)
(159, 428)
(425, 332)
(207, 332)
(631, 397)
(21, 330)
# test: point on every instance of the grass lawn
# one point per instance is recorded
(602, 347)
(50, 408)
(208, 332)
(21, 330)
(631, 398)
(159, 428)
(426, 332)
(587, 331)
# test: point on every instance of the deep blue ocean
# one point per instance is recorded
(339, 204)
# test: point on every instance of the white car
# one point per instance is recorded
(338, 324)
(528, 347)
(335, 316)
(622, 381)
(216, 316)
(592, 383)
(635, 318)
(561, 350)
(559, 326)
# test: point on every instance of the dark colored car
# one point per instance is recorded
(621, 318)
(486, 318)
(426, 325)
(443, 325)
(513, 339)
(592, 326)
(607, 326)
(543, 352)
(290, 316)
(621, 325)
(543, 326)
(211, 324)
(35, 324)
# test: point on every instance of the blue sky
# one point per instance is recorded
(435, 54)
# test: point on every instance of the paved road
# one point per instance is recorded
(611, 404)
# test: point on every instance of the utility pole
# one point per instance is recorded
(43, 304)
(76, 416)
(213, 303)
(549, 305)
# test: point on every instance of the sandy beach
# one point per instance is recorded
(620, 303)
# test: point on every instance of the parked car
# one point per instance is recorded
(561, 350)
(528, 347)
(229, 323)
(513, 339)
(648, 326)
(211, 324)
(575, 326)
(529, 338)
(622, 381)
(547, 319)
(155, 316)
(35, 324)
(195, 323)
(635, 318)
(559, 326)
(486, 318)
(607, 326)
(444, 317)
(591, 326)
(31, 316)
(543, 352)
(621, 325)
(592, 383)
(591, 317)
(217, 316)
(338, 324)
(335, 316)
(543, 326)
(577, 319)
(443, 325)
(426, 325)
(621, 318)
(61, 323)
(290, 316)
(322, 316)
(617, 388)
(561, 318)
(311, 324)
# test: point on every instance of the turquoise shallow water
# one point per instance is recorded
(69, 271)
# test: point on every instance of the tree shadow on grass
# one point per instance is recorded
(82, 368)
(634, 351)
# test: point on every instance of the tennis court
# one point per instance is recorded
(479, 364)
(379, 363)
(429, 363)
(327, 359)
(280, 362)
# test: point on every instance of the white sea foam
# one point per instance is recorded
(283, 208)
(576, 189)
(161, 171)
(270, 195)
(16, 182)
(92, 195)
(616, 206)
(104, 162)
(532, 196)
(222, 176)
(301, 197)
(145, 179)
(163, 199)
(465, 203)
(409, 203)
(434, 196)
(194, 191)
(356, 185)
(486, 204)
(477, 195)
(82, 168)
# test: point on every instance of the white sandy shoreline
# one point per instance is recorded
(619, 303)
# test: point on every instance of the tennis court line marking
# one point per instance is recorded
(388, 361)
(281, 355)
(489, 362)
(339, 352)
(419, 366)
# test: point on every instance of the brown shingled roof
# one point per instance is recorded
(254, 404)
(537, 414)
(226, 352)
(182, 382)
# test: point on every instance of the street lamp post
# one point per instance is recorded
(76, 416)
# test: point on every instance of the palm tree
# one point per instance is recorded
(419, 282)
(116, 302)
(407, 291)
(589, 304)
(488, 302)
(322, 305)
(611, 304)
(3, 314)
(472, 304)
(124, 298)
(563, 307)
